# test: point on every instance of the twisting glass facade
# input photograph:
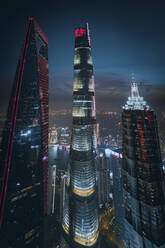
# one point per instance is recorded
(24, 155)
(82, 224)
(143, 179)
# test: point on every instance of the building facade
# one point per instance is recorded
(51, 189)
(24, 156)
(118, 198)
(82, 222)
(103, 181)
(143, 179)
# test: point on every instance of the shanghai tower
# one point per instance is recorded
(143, 179)
(24, 152)
(80, 220)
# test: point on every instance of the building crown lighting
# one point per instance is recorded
(135, 101)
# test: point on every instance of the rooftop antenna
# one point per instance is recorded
(134, 87)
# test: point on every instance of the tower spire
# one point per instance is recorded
(134, 87)
(133, 77)
(135, 101)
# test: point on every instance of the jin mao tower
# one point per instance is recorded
(143, 179)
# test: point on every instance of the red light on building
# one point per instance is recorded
(80, 32)
(22, 118)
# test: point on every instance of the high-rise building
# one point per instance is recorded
(103, 181)
(53, 136)
(51, 189)
(64, 136)
(143, 179)
(118, 198)
(24, 157)
(63, 198)
(81, 221)
(50, 222)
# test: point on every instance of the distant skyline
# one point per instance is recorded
(111, 94)
(127, 36)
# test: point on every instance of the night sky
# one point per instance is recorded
(126, 37)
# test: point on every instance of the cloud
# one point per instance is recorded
(111, 90)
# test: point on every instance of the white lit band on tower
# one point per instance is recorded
(135, 102)
(83, 211)
(143, 180)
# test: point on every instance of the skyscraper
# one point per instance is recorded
(143, 179)
(103, 181)
(81, 221)
(118, 193)
(51, 189)
(24, 157)
(50, 221)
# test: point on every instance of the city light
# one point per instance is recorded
(70, 178)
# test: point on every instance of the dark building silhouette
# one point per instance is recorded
(103, 181)
(50, 222)
(24, 155)
(118, 198)
(80, 219)
(143, 179)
